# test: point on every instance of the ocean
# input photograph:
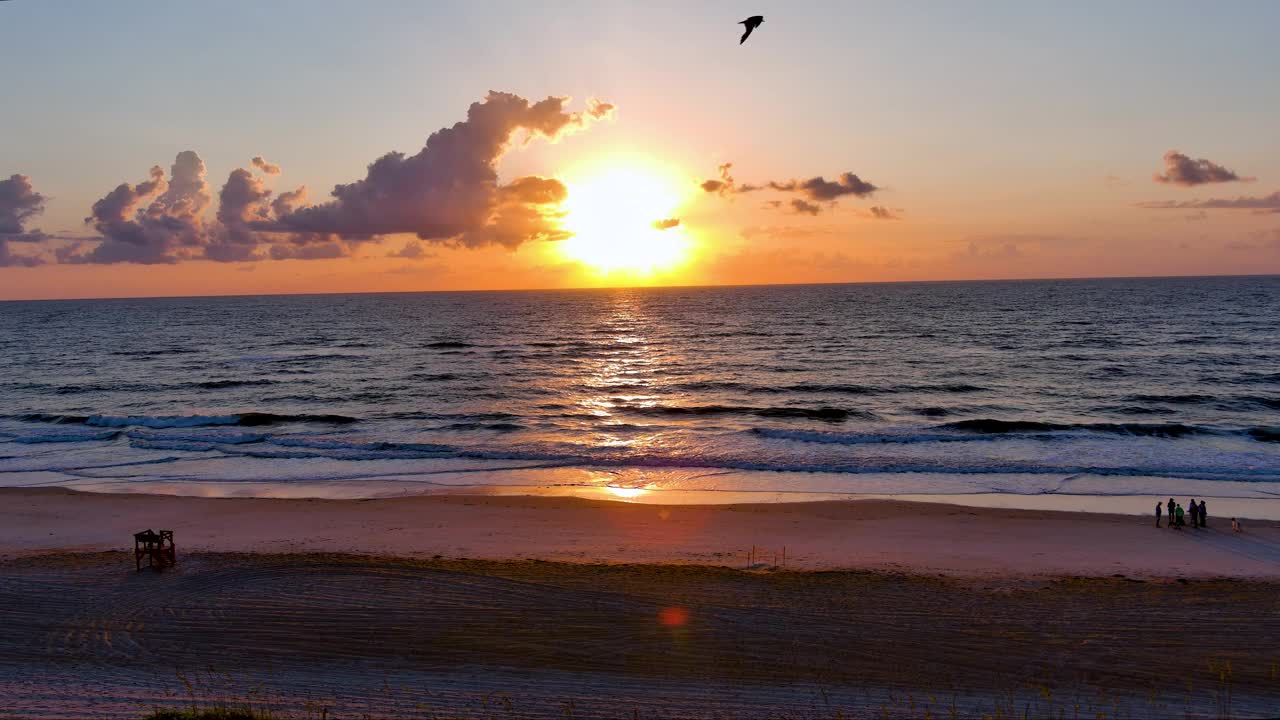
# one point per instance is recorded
(1121, 386)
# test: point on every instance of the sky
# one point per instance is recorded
(864, 141)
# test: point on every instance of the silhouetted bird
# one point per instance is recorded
(752, 23)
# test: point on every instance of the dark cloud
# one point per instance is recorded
(1265, 204)
(162, 221)
(167, 229)
(666, 223)
(813, 191)
(879, 212)
(724, 185)
(448, 192)
(19, 202)
(801, 206)
(269, 168)
(819, 189)
(1180, 169)
(242, 200)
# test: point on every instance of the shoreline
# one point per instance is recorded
(894, 535)
(676, 485)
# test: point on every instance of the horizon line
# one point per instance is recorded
(647, 287)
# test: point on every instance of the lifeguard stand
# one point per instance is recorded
(157, 548)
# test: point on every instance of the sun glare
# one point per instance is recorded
(615, 217)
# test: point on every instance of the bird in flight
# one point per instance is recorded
(752, 23)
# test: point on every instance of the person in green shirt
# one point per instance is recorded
(1180, 515)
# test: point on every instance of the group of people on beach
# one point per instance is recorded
(1199, 515)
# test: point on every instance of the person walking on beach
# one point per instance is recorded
(1235, 525)
(1178, 510)
(1158, 506)
(1204, 516)
(1193, 512)
(1170, 508)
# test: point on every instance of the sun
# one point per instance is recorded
(616, 216)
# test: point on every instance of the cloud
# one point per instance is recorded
(448, 192)
(167, 229)
(1182, 170)
(879, 212)
(269, 168)
(723, 186)
(289, 200)
(666, 223)
(803, 207)
(161, 221)
(244, 199)
(19, 202)
(1265, 204)
(813, 191)
(412, 250)
(820, 189)
(599, 109)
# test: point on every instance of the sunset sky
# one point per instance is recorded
(867, 142)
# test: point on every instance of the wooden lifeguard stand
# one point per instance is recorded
(156, 547)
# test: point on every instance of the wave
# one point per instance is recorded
(376, 445)
(221, 384)
(497, 427)
(1184, 399)
(294, 359)
(449, 344)
(988, 429)
(833, 438)
(1265, 434)
(65, 437)
(165, 352)
(995, 427)
(819, 413)
(250, 419)
(220, 437)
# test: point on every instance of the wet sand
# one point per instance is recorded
(885, 608)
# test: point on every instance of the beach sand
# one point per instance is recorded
(525, 607)
(919, 538)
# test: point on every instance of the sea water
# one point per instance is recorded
(1117, 386)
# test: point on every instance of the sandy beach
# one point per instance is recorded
(918, 538)
(526, 607)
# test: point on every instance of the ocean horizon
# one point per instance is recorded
(63, 297)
